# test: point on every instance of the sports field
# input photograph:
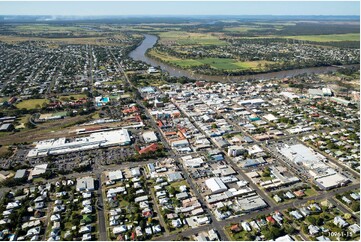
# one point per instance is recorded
(31, 103)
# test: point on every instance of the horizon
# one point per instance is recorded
(186, 8)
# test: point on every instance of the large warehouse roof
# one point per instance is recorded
(94, 141)
(216, 185)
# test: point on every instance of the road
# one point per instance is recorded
(101, 215)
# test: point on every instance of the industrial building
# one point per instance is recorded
(94, 141)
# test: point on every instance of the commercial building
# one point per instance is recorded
(150, 137)
(115, 175)
(85, 184)
(93, 141)
(216, 185)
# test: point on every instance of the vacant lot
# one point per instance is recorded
(31, 103)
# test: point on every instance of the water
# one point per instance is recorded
(151, 40)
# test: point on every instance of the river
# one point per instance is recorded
(151, 40)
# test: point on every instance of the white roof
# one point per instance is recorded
(115, 175)
(216, 185)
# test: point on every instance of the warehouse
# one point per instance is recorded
(94, 141)
(216, 185)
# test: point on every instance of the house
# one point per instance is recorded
(120, 229)
(176, 223)
(322, 238)
(289, 195)
(85, 229)
(157, 229)
(235, 228)
(346, 200)
(182, 195)
(296, 214)
(86, 237)
(213, 235)
(354, 228)
(355, 196)
(254, 225)
(270, 219)
(304, 211)
(338, 221)
(312, 230)
(55, 217)
(87, 210)
(277, 198)
(246, 226)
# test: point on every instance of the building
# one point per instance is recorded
(150, 148)
(216, 185)
(115, 175)
(234, 151)
(150, 137)
(38, 170)
(20, 174)
(251, 203)
(94, 141)
(6, 127)
(85, 184)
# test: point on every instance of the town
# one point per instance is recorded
(95, 145)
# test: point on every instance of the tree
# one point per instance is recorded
(172, 190)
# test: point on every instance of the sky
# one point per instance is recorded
(179, 8)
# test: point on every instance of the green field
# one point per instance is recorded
(31, 103)
(327, 38)
(216, 63)
(184, 38)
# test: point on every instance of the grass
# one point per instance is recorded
(185, 38)
(327, 38)
(123, 204)
(31, 103)
(216, 63)
(310, 192)
(176, 185)
(75, 96)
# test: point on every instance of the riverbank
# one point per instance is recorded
(140, 54)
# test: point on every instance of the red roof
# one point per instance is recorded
(270, 219)
(153, 147)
